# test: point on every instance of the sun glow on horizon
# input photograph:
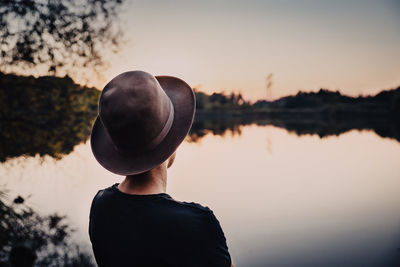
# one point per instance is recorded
(224, 46)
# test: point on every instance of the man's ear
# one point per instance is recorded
(171, 160)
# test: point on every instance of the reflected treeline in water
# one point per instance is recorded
(45, 116)
(50, 115)
(300, 124)
(216, 125)
(28, 239)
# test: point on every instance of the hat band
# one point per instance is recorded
(163, 133)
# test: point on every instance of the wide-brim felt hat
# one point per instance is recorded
(141, 122)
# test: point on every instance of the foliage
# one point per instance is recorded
(323, 113)
(47, 238)
(47, 115)
(325, 101)
(62, 35)
(220, 101)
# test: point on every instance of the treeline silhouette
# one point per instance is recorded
(50, 115)
(325, 101)
(220, 101)
(45, 116)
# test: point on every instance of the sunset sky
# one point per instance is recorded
(222, 45)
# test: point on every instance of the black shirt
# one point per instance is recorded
(154, 230)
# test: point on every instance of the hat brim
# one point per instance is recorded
(183, 100)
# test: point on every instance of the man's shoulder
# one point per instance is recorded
(192, 213)
(191, 206)
(103, 193)
(106, 193)
(169, 207)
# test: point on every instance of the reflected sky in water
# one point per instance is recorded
(282, 200)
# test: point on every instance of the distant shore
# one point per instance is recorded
(321, 104)
(50, 115)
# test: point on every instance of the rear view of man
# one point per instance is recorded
(142, 120)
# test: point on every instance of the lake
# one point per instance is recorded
(281, 199)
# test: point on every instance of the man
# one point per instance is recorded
(142, 120)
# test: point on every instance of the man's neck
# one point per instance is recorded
(151, 182)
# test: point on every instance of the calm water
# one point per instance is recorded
(282, 200)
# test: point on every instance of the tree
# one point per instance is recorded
(45, 115)
(57, 37)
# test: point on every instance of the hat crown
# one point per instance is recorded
(135, 111)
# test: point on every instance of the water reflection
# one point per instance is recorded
(288, 189)
(323, 127)
(282, 199)
(73, 128)
(44, 116)
(310, 202)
